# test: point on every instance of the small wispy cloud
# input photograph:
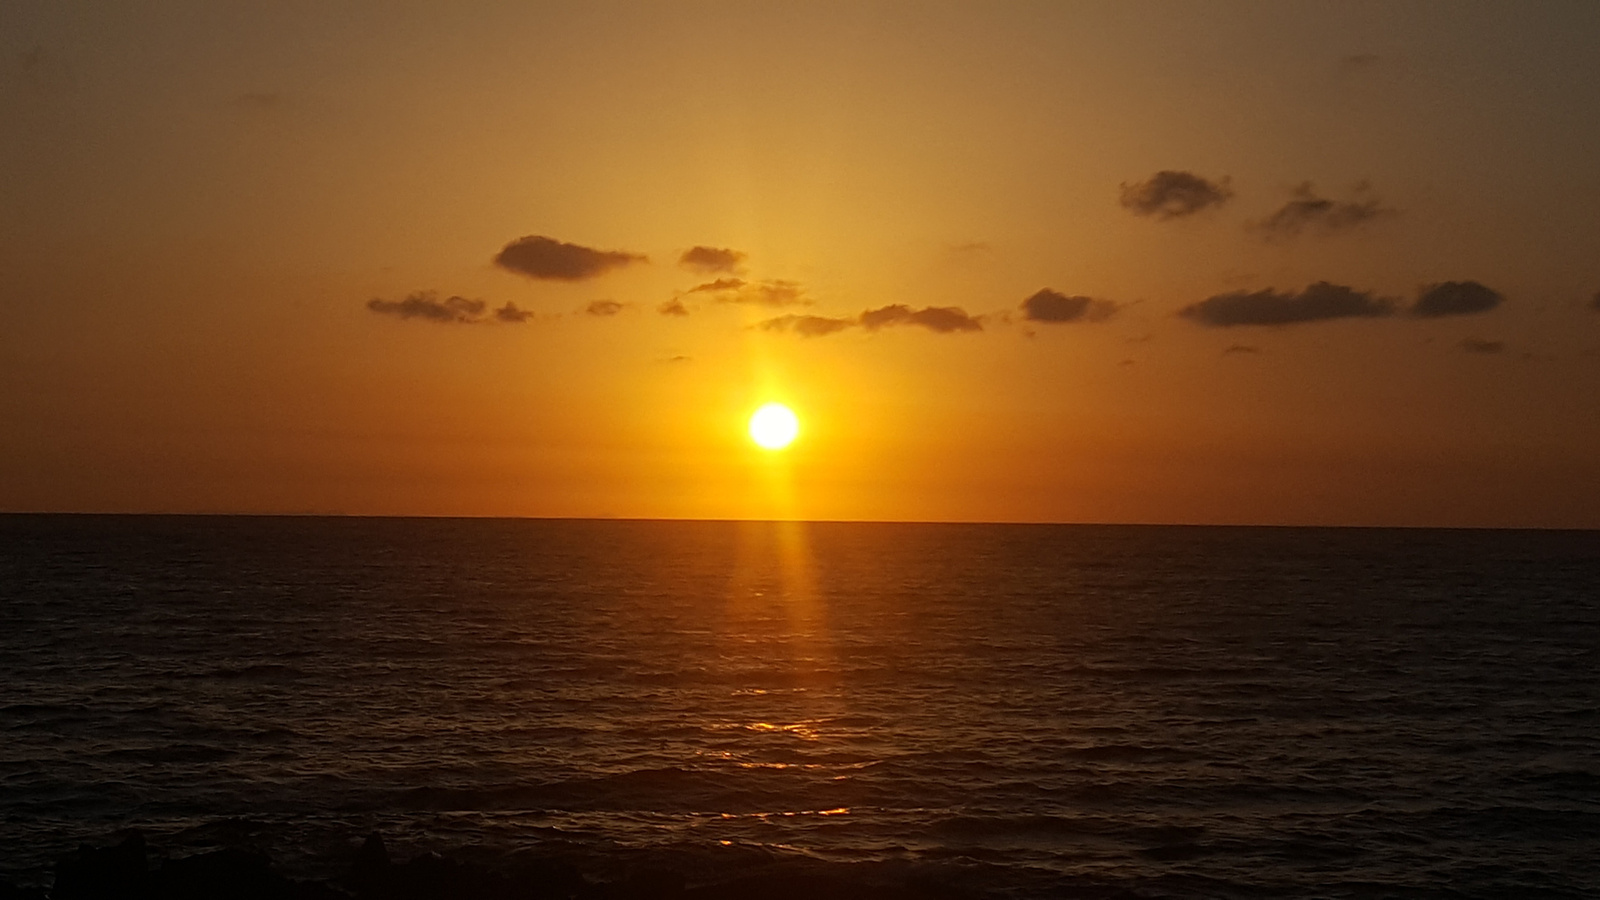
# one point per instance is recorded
(776, 292)
(673, 307)
(1455, 298)
(1318, 302)
(807, 326)
(1480, 345)
(1054, 307)
(1306, 211)
(511, 314)
(721, 285)
(1170, 194)
(603, 308)
(428, 306)
(940, 319)
(712, 259)
(542, 257)
(943, 319)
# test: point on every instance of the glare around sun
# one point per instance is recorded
(774, 426)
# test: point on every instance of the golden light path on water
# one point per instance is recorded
(778, 545)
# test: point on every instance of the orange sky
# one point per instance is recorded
(212, 216)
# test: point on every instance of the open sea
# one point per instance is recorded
(1010, 711)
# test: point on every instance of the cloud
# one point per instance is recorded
(673, 307)
(427, 305)
(1358, 61)
(1316, 303)
(603, 308)
(1455, 298)
(943, 319)
(540, 257)
(1170, 195)
(1479, 345)
(807, 326)
(1240, 348)
(763, 293)
(773, 293)
(718, 286)
(1309, 211)
(511, 314)
(1054, 306)
(711, 259)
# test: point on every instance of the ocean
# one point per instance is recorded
(1008, 711)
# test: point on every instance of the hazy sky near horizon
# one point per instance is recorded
(1236, 262)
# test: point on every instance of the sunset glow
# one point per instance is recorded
(1027, 262)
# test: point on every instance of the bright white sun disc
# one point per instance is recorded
(774, 426)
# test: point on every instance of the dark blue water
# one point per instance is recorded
(1019, 710)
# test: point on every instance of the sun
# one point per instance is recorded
(774, 426)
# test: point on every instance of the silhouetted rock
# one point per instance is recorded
(123, 872)
(9, 891)
(370, 869)
(236, 874)
(794, 886)
(643, 884)
(539, 878)
(104, 873)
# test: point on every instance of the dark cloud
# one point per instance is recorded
(1240, 348)
(603, 308)
(1170, 195)
(1479, 345)
(1054, 306)
(511, 314)
(427, 305)
(807, 326)
(711, 259)
(540, 257)
(1455, 298)
(943, 319)
(673, 307)
(1316, 303)
(1307, 211)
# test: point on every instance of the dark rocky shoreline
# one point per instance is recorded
(128, 871)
